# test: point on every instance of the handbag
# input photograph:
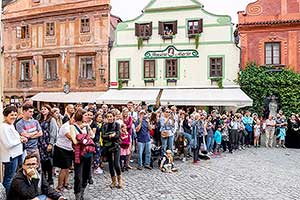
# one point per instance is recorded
(165, 134)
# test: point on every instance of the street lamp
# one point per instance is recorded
(102, 73)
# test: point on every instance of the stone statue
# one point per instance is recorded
(273, 106)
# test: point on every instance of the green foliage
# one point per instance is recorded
(262, 82)
(197, 36)
(220, 83)
(140, 42)
(120, 84)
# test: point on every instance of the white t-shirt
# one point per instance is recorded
(10, 143)
(62, 141)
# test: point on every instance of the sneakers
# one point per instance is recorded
(283, 146)
(98, 171)
(183, 159)
(277, 146)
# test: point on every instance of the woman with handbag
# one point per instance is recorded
(111, 148)
(167, 129)
(197, 136)
(84, 148)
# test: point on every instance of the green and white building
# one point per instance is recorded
(178, 53)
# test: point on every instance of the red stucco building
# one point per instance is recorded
(270, 33)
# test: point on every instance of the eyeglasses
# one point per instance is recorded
(30, 164)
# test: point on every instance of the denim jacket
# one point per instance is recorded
(197, 131)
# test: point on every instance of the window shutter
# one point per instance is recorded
(160, 28)
(150, 31)
(200, 26)
(175, 27)
(19, 32)
(137, 29)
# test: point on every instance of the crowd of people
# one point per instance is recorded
(82, 139)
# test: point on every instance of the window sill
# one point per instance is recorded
(87, 79)
(193, 35)
(145, 37)
(52, 79)
(149, 80)
(215, 78)
(167, 37)
(171, 80)
(23, 81)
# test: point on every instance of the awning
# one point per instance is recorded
(72, 97)
(206, 97)
(120, 97)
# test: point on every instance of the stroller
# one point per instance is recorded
(155, 152)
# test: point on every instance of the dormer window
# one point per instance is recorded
(168, 29)
(143, 30)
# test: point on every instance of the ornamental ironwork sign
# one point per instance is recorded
(172, 52)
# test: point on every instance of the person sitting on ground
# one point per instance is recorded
(167, 163)
(30, 184)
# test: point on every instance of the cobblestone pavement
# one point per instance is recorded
(251, 174)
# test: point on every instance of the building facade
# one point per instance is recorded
(51, 45)
(158, 48)
(270, 33)
(173, 44)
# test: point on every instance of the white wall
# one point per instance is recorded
(216, 40)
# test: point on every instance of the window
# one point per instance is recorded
(149, 68)
(143, 30)
(85, 25)
(86, 68)
(23, 32)
(50, 29)
(272, 53)
(195, 26)
(171, 68)
(25, 71)
(216, 67)
(168, 28)
(51, 69)
(123, 70)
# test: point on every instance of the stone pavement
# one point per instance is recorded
(251, 174)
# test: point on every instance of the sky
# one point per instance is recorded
(129, 9)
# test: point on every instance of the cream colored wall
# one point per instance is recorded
(216, 40)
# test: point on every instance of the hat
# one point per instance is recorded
(143, 111)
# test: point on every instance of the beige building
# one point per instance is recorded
(53, 47)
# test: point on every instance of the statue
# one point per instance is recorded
(271, 106)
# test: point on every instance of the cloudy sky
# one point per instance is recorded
(129, 9)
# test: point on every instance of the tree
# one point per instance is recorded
(260, 82)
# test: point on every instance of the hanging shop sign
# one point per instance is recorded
(172, 52)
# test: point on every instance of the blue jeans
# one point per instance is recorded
(147, 147)
(210, 143)
(10, 169)
(189, 138)
(167, 143)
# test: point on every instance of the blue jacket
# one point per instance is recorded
(218, 137)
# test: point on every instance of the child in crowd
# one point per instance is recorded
(125, 151)
(218, 140)
(257, 132)
(282, 132)
(167, 163)
(181, 145)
